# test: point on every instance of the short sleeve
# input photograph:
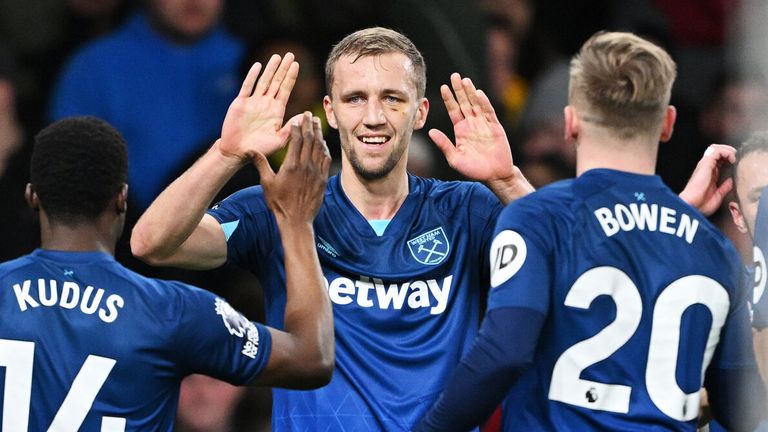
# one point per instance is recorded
(521, 270)
(248, 225)
(214, 339)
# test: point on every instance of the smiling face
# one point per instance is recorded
(751, 177)
(375, 106)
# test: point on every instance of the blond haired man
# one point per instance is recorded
(612, 301)
(405, 258)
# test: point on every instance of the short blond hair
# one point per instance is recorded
(622, 82)
(376, 41)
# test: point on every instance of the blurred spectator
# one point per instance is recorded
(164, 79)
(698, 29)
(307, 94)
(508, 88)
(542, 126)
(18, 228)
(422, 157)
(736, 107)
(43, 34)
(547, 169)
(207, 405)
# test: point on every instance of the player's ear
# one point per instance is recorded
(31, 197)
(737, 216)
(328, 107)
(121, 203)
(668, 126)
(572, 124)
(421, 114)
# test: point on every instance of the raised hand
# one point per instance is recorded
(702, 190)
(296, 192)
(254, 121)
(482, 150)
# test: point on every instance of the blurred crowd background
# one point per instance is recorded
(164, 72)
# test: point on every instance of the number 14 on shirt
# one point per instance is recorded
(17, 357)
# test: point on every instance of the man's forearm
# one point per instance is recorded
(177, 211)
(308, 313)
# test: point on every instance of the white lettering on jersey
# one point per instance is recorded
(646, 217)
(367, 292)
(508, 252)
(71, 297)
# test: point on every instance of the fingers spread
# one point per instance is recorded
(250, 80)
(266, 78)
(454, 112)
(461, 95)
(472, 97)
(443, 143)
(287, 85)
(486, 107)
(280, 74)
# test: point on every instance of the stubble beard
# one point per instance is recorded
(375, 174)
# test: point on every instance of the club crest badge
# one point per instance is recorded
(430, 248)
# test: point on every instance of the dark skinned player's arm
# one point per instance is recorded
(303, 354)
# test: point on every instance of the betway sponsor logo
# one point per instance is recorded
(372, 292)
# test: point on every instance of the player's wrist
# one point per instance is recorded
(294, 224)
(227, 158)
(295, 231)
(510, 187)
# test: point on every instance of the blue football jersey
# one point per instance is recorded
(760, 272)
(88, 345)
(641, 293)
(406, 304)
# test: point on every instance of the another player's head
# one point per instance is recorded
(376, 79)
(78, 172)
(750, 177)
(620, 86)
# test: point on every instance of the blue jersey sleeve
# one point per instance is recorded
(502, 351)
(521, 271)
(249, 227)
(214, 339)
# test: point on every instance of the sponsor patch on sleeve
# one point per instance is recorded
(239, 326)
(508, 252)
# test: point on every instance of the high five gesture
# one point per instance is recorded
(254, 121)
(481, 151)
(175, 229)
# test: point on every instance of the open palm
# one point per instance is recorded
(481, 151)
(254, 121)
